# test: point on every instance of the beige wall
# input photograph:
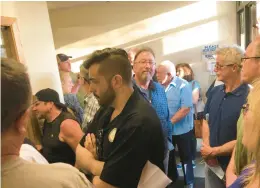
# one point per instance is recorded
(176, 31)
(37, 41)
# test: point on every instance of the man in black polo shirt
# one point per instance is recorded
(222, 111)
(126, 130)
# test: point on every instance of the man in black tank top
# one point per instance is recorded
(61, 131)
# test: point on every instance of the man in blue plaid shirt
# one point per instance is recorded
(144, 69)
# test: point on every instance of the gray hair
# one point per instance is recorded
(170, 67)
(16, 92)
(231, 54)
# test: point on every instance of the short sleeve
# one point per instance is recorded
(196, 85)
(125, 163)
(186, 96)
(206, 109)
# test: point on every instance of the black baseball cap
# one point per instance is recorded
(62, 57)
(50, 95)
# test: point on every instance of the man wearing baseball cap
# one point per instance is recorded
(64, 62)
(65, 66)
(61, 132)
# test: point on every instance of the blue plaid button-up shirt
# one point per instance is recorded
(158, 100)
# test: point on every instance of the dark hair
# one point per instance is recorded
(112, 61)
(188, 72)
(144, 49)
(85, 73)
(16, 92)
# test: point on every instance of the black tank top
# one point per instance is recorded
(53, 149)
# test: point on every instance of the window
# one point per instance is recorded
(247, 22)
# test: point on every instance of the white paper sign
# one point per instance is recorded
(217, 170)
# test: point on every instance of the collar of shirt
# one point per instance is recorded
(151, 85)
(172, 83)
(237, 92)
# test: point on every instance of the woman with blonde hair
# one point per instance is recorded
(71, 99)
(250, 176)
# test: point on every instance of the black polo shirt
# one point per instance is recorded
(128, 142)
(223, 110)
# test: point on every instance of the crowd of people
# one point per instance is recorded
(123, 110)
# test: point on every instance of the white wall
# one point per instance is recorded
(37, 41)
(177, 31)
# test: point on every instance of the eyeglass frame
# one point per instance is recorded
(221, 66)
(144, 62)
(245, 58)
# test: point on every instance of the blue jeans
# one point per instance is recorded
(184, 143)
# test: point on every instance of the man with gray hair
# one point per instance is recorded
(221, 114)
(179, 97)
(16, 98)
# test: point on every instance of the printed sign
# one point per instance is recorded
(208, 56)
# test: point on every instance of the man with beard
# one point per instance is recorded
(125, 132)
(153, 92)
(61, 132)
(16, 98)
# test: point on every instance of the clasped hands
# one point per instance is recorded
(209, 154)
(90, 144)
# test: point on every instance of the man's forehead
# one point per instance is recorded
(161, 68)
(145, 56)
(251, 49)
(94, 71)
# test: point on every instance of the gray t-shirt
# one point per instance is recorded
(19, 173)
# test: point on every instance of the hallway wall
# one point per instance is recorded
(37, 42)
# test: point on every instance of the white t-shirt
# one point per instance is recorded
(19, 173)
(29, 153)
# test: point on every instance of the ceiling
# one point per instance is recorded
(54, 5)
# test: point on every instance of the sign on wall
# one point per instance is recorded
(208, 56)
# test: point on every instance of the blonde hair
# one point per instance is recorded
(34, 127)
(254, 106)
(231, 54)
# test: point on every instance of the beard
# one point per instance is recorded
(107, 97)
(146, 76)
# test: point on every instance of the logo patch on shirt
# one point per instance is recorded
(112, 135)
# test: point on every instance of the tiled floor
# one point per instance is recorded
(198, 171)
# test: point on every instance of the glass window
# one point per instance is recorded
(242, 36)
(252, 22)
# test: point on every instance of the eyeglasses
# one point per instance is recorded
(221, 66)
(245, 108)
(245, 58)
(143, 62)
